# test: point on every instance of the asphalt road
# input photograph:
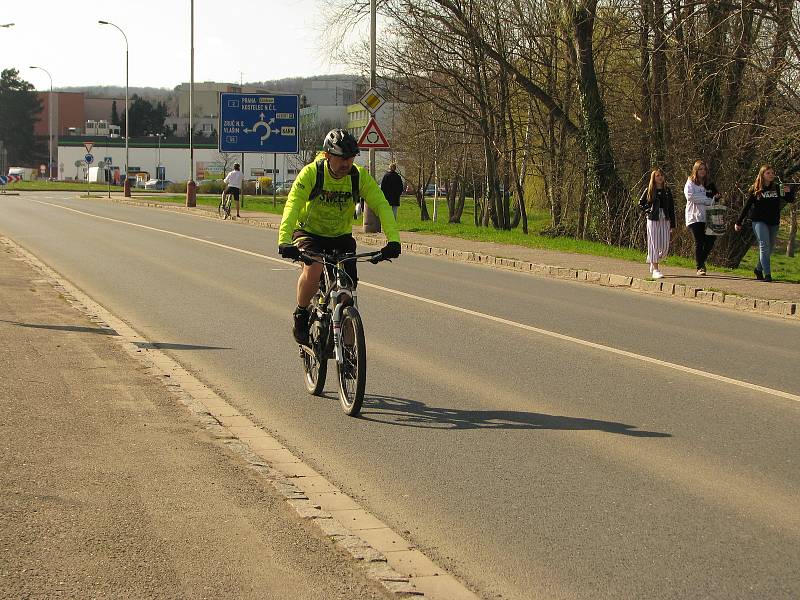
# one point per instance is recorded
(532, 466)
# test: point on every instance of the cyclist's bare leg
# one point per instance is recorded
(308, 284)
(237, 208)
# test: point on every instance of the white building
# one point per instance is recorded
(145, 157)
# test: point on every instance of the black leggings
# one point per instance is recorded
(703, 244)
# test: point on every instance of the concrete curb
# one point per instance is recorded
(388, 558)
(716, 298)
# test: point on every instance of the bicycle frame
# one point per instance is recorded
(339, 291)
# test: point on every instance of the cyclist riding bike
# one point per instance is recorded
(318, 217)
(233, 181)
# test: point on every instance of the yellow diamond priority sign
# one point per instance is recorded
(372, 100)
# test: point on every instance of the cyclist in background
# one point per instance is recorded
(233, 181)
(318, 216)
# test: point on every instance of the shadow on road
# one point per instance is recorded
(77, 328)
(413, 413)
(171, 346)
(109, 331)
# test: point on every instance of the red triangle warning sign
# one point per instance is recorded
(88, 146)
(372, 136)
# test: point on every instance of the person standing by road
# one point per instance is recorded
(700, 193)
(659, 207)
(233, 181)
(763, 206)
(392, 188)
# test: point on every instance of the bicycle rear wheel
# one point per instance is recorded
(315, 362)
(353, 370)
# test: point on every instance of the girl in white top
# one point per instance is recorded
(700, 193)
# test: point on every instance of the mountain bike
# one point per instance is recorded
(224, 208)
(336, 330)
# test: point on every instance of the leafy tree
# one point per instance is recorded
(145, 117)
(114, 113)
(19, 109)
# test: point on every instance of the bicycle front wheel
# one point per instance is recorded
(353, 369)
(221, 208)
(315, 362)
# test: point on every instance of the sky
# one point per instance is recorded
(255, 40)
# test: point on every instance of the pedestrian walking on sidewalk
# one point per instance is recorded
(765, 199)
(392, 187)
(700, 194)
(659, 207)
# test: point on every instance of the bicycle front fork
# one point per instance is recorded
(337, 332)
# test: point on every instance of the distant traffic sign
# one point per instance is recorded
(372, 101)
(89, 159)
(88, 146)
(372, 137)
(259, 123)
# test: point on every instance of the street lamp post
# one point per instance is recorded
(127, 122)
(49, 125)
(158, 159)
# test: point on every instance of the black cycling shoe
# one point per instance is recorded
(768, 278)
(759, 274)
(300, 329)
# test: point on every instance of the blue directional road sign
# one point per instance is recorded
(259, 123)
(89, 159)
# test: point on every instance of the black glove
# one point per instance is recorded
(289, 251)
(390, 250)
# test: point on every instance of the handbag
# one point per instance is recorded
(715, 219)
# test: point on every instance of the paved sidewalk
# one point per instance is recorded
(110, 489)
(720, 282)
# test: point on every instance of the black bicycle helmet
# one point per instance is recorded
(341, 143)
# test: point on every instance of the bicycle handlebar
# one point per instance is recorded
(315, 257)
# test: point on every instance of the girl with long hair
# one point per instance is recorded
(764, 202)
(700, 193)
(659, 208)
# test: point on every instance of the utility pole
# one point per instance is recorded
(191, 186)
(371, 222)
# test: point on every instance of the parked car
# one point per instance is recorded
(156, 184)
(431, 189)
(283, 188)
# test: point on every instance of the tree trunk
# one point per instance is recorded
(646, 137)
(606, 191)
(792, 243)
(659, 112)
(731, 248)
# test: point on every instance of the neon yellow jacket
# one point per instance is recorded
(331, 213)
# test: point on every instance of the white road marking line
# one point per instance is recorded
(552, 334)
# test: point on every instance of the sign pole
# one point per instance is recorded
(371, 222)
(274, 178)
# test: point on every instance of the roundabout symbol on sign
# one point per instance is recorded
(372, 136)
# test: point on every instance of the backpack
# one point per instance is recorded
(317, 189)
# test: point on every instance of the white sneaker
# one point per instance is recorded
(657, 274)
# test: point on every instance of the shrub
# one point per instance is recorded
(211, 187)
(177, 188)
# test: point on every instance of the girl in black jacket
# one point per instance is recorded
(659, 208)
(764, 202)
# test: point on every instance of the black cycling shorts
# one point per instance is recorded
(233, 191)
(317, 243)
